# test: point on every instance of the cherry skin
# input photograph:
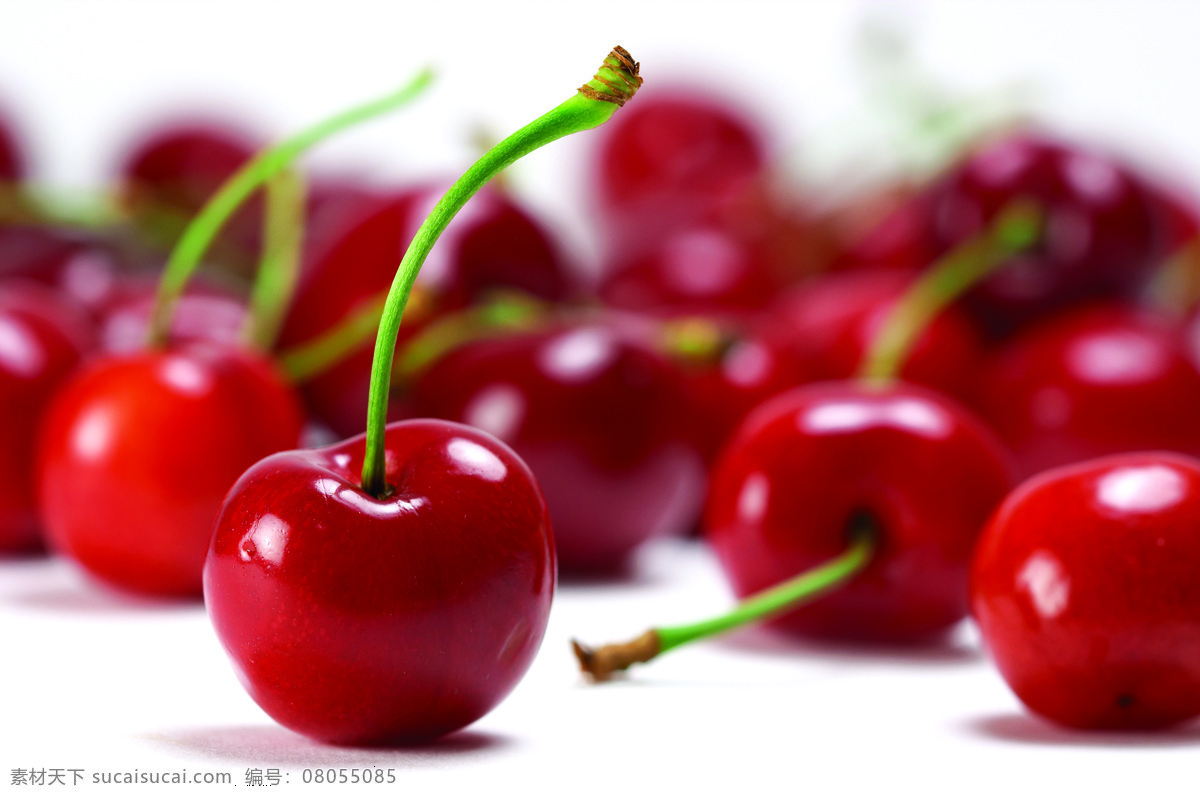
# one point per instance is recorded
(492, 244)
(138, 450)
(1084, 587)
(827, 325)
(12, 164)
(1094, 382)
(672, 160)
(42, 339)
(1102, 236)
(700, 270)
(811, 466)
(360, 620)
(598, 415)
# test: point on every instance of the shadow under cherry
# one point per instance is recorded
(1027, 729)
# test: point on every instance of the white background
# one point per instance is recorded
(103, 683)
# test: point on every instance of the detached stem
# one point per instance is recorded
(602, 663)
(204, 227)
(278, 269)
(593, 104)
(1016, 228)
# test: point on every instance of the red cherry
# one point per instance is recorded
(41, 341)
(1084, 587)
(491, 244)
(672, 160)
(1102, 234)
(597, 415)
(826, 327)
(359, 620)
(206, 312)
(702, 270)
(812, 466)
(12, 164)
(1091, 383)
(138, 451)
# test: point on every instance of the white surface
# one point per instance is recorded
(94, 682)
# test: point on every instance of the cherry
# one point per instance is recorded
(1097, 381)
(1084, 588)
(12, 162)
(1102, 236)
(596, 413)
(207, 312)
(169, 175)
(676, 159)
(494, 244)
(699, 270)
(826, 326)
(139, 450)
(814, 466)
(356, 619)
(42, 339)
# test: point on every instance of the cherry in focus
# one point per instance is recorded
(1084, 587)
(1097, 381)
(363, 620)
(137, 452)
(598, 415)
(1102, 237)
(42, 339)
(814, 467)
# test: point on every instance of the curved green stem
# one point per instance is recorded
(602, 663)
(207, 224)
(592, 105)
(275, 281)
(1017, 228)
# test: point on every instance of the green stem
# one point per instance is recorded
(602, 663)
(270, 162)
(592, 105)
(275, 281)
(1016, 229)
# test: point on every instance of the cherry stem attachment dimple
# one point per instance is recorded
(603, 663)
(1016, 229)
(204, 227)
(592, 105)
(275, 281)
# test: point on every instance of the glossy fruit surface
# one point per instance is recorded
(359, 620)
(138, 451)
(1102, 234)
(826, 327)
(598, 416)
(492, 244)
(42, 339)
(1084, 587)
(1094, 382)
(810, 466)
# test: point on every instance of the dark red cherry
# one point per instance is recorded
(12, 162)
(1102, 233)
(1084, 587)
(363, 620)
(600, 418)
(671, 160)
(817, 465)
(827, 325)
(1095, 382)
(42, 338)
(138, 451)
(700, 270)
(492, 244)
(168, 176)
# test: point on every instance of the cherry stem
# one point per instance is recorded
(592, 105)
(1016, 229)
(275, 281)
(204, 227)
(603, 663)
(508, 312)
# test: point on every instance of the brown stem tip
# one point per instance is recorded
(617, 79)
(602, 664)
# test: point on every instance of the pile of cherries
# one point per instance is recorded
(708, 379)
